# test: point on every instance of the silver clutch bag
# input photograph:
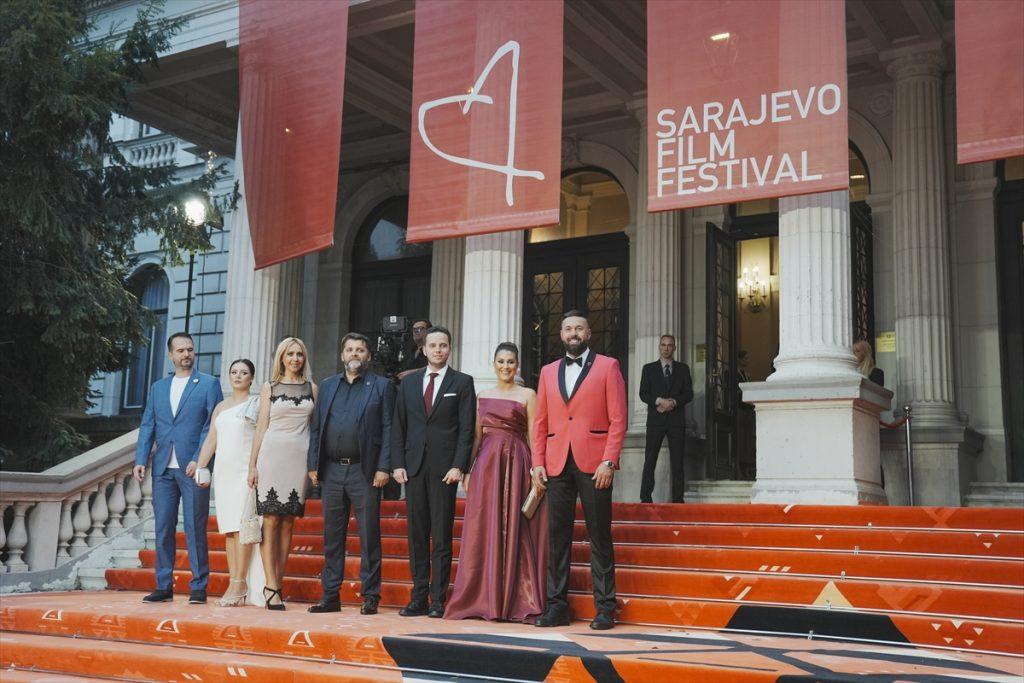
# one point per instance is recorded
(251, 528)
(532, 502)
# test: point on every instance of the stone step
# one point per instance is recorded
(995, 495)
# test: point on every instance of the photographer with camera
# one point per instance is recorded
(417, 359)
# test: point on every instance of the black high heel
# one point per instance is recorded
(267, 598)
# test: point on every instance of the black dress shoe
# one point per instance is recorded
(159, 596)
(552, 617)
(413, 609)
(369, 605)
(603, 621)
(325, 606)
(436, 611)
(197, 597)
(646, 500)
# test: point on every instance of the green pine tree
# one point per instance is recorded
(70, 209)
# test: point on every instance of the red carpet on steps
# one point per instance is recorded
(706, 593)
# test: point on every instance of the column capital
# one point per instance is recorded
(923, 60)
(638, 107)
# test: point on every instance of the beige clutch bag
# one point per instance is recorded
(532, 502)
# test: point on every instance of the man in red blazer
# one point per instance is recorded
(579, 425)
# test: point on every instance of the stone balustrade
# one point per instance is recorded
(151, 152)
(60, 513)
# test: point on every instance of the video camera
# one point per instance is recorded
(392, 343)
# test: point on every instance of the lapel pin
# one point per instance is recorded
(195, 381)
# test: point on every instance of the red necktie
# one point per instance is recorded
(428, 395)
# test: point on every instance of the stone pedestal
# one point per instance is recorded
(256, 299)
(817, 418)
(492, 301)
(817, 440)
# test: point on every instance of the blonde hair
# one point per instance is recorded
(868, 364)
(278, 372)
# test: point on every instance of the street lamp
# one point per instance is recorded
(195, 214)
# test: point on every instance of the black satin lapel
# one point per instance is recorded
(561, 380)
(583, 373)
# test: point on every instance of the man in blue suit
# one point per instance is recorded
(174, 426)
(350, 457)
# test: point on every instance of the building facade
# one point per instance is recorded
(929, 252)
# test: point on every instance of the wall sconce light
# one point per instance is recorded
(752, 289)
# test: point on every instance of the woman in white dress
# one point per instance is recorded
(232, 428)
(277, 467)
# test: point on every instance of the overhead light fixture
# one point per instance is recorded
(720, 36)
(752, 289)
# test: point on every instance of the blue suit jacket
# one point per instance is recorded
(185, 431)
(378, 405)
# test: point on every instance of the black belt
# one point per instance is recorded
(345, 461)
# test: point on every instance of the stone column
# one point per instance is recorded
(921, 241)
(446, 273)
(817, 418)
(252, 318)
(492, 301)
(658, 245)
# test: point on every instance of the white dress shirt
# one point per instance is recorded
(572, 372)
(178, 385)
(437, 382)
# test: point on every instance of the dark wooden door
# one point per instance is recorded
(721, 391)
(588, 273)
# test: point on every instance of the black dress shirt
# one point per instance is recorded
(341, 433)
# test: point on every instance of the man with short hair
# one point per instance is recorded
(418, 358)
(665, 386)
(350, 457)
(174, 426)
(578, 429)
(432, 439)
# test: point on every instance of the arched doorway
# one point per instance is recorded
(580, 263)
(146, 364)
(743, 314)
(389, 275)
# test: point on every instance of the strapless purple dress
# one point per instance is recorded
(503, 559)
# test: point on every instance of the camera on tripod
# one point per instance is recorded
(392, 342)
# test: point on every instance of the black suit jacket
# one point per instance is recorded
(378, 396)
(446, 435)
(653, 386)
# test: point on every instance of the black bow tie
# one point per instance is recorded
(578, 361)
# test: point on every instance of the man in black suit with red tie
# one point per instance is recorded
(432, 439)
(665, 386)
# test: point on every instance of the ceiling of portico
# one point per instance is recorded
(194, 94)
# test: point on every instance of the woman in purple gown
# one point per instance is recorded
(503, 558)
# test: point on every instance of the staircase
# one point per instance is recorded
(844, 582)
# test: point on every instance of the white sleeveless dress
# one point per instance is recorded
(236, 428)
(231, 468)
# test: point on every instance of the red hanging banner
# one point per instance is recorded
(746, 100)
(291, 84)
(486, 117)
(989, 79)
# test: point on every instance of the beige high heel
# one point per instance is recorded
(234, 600)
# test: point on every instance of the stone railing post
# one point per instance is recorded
(146, 508)
(66, 531)
(3, 536)
(132, 499)
(17, 539)
(42, 523)
(98, 513)
(116, 505)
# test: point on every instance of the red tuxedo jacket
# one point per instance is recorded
(592, 421)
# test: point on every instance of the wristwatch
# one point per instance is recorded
(610, 463)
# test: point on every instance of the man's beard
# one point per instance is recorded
(357, 366)
(575, 347)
